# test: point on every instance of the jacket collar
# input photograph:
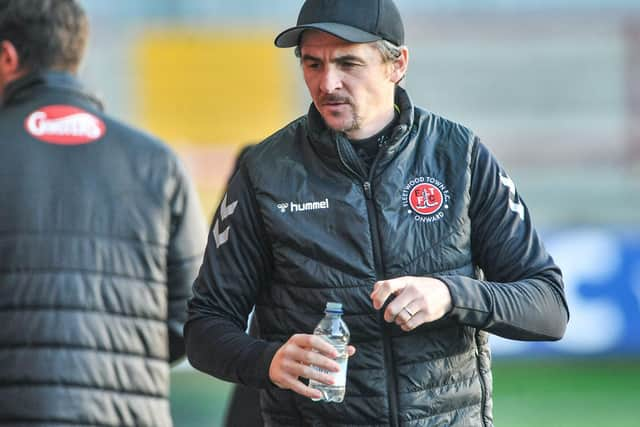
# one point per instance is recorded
(333, 145)
(32, 84)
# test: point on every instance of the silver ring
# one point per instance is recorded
(408, 311)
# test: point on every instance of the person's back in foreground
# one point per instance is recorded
(100, 239)
(400, 215)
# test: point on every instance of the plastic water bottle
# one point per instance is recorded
(333, 329)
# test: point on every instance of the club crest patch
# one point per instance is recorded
(426, 198)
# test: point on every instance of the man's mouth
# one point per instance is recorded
(335, 101)
(334, 104)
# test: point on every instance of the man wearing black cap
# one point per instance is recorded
(401, 215)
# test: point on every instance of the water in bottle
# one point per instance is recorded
(333, 329)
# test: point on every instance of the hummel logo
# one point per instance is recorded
(303, 206)
(226, 210)
(220, 238)
(514, 204)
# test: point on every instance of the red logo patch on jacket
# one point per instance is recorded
(426, 199)
(64, 125)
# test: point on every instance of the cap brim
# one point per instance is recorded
(291, 36)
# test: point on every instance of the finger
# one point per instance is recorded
(314, 342)
(313, 358)
(318, 374)
(415, 321)
(351, 350)
(296, 359)
(403, 316)
(383, 289)
(304, 390)
(290, 371)
(399, 307)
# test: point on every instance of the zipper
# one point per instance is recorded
(392, 385)
(482, 385)
(380, 274)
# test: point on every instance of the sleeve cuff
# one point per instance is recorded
(264, 363)
(470, 303)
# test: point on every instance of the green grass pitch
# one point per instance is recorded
(527, 393)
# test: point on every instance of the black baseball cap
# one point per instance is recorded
(356, 21)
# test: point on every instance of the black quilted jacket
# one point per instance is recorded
(302, 224)
(100, 238)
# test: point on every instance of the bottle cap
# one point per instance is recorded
(334, 307)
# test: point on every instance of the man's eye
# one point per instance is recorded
(349, 64)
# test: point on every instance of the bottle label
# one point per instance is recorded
(340, 377)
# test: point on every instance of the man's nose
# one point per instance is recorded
(331, 80)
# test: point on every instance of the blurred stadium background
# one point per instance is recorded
(551, 86)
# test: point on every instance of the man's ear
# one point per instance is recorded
(9, 60)
(400, 65)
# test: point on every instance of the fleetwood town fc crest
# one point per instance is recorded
(425, 198)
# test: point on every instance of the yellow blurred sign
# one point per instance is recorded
(213, 87)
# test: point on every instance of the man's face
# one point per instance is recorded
(349, 83)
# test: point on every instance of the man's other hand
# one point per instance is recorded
(417, 300)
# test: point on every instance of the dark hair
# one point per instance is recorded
(47, 34)
(389, 51)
